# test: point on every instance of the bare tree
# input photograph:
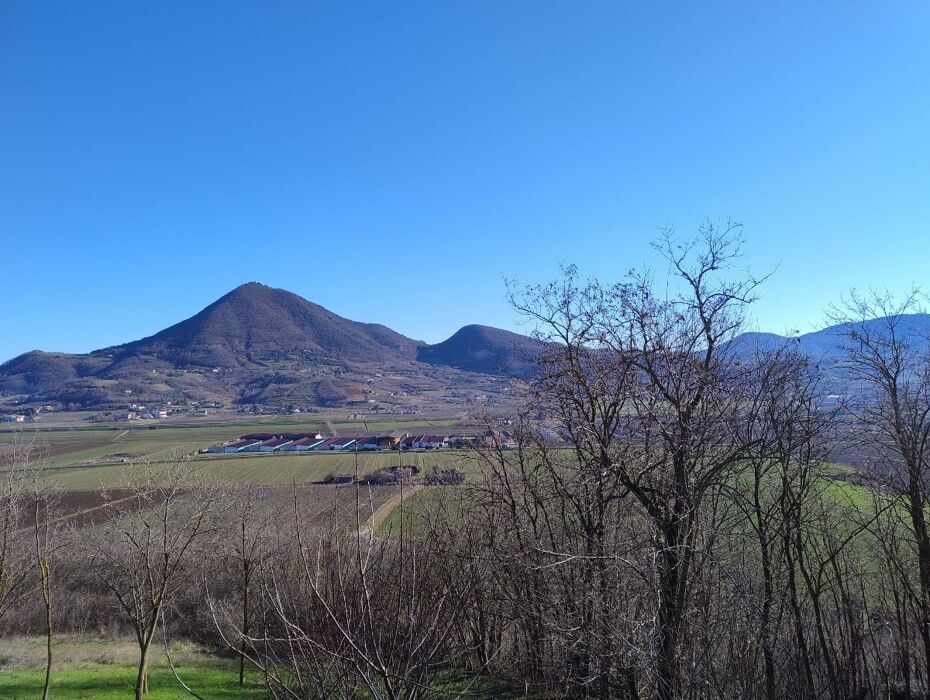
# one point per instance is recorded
(244, 557)
(889, 359)
(566, 567)
(143, 555)
(15, 469)
(48, 539)
(772, 492)
(650, 391)
(343, 611)
(27, 507)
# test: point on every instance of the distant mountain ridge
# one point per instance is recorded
(259, 344)
(249, 338)
(825, 345)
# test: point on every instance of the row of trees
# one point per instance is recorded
(692, 542)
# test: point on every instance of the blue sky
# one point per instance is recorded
(396, 161)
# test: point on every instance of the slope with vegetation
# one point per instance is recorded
(259, 345)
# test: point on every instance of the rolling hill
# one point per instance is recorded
(255, 324)
(259, 345)
(256, 344)
(826, 345)
(484, 349)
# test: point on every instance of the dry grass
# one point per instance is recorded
(80, 651)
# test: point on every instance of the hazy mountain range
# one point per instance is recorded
(825, 344)
(257, 344)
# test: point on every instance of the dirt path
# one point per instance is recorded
(92, 509)
(85, 512)
(384, 511)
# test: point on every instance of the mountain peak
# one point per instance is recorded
(250, 288)
(255, 323)
(252, 291)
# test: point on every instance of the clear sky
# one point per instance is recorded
(395, 161)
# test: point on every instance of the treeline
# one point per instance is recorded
(693, 541)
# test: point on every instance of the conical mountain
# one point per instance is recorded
(255, 324)
(252, 336)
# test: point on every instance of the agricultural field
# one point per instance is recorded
(89, 458)
(279, 469)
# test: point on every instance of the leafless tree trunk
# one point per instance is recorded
(245, 554)
(15, 468)
(25, 489)
(787, 422)
(42, 517)
(144, 555)
(890, 359)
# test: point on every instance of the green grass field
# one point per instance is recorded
(88, 668)
(105, 682)
(92, 667)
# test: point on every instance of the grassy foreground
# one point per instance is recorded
(104, 668)
(111, 682)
